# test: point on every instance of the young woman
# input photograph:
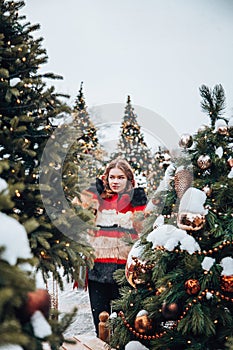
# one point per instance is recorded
(116, 199)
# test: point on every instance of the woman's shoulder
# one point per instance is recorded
(139, 197)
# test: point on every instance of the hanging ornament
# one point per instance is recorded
(38, 300)
(190, 221)
(170, 311)
(227, 283)
(192, 286)
(185, 141)
(142, 323)
(207, 189)
(226, 274)
(204, 162)
(183, 179)
(221, 127)
(191, 215)
(135, 270)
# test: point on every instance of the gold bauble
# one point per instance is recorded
(135, 271)
(190, 221)
(142, 323)
(204, 162)
(227, 283)
(192, 286)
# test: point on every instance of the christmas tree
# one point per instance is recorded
(132, 146)
(31, 153)
(27, 111)
(161, 159)
(25, 303)
(177, 288)
(87, 141)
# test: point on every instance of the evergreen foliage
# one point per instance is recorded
(28, 109)
(90, 153)
(186, 289)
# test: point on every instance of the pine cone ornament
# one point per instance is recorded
(183, 179)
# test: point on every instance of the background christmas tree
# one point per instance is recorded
(28, 108)
(87, 141)
(177, 288)
(161, 159)
(132, 146)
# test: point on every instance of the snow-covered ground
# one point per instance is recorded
(79, 298)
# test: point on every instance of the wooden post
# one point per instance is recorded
(104, 331)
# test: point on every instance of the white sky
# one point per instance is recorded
(158, 52)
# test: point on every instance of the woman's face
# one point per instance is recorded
(117, 180)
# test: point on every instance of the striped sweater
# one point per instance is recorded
(114, 221)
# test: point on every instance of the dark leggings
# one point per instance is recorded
(101, 295)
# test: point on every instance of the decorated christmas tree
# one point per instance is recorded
(177, 288)
(87, 141)
(132, 146)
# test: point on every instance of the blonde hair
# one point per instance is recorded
(124, 166)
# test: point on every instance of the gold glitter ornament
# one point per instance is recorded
(182, 180)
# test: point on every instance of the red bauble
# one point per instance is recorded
(192, 286)
(38, 300)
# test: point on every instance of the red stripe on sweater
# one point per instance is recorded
(110, 260)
